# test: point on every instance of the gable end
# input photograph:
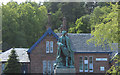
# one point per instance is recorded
(49, 31)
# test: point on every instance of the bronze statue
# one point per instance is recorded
(65, 56)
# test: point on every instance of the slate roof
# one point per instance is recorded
(21, 52)
(78, 43)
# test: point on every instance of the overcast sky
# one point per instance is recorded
(19, 1)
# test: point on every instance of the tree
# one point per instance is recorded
(105, 27)
(105, 30)
(115, 69)
(12, 65)
(22, 24)
(82, 25)
(70, 10)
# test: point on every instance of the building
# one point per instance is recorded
(41, 57)
(88, 58)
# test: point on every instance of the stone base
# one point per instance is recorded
(66, 71)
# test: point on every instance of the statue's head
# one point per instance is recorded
(64, 33)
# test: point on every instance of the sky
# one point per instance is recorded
(19, 1)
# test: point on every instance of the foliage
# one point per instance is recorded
(105, 30)
(56, 19)
(82, 25)
(22, 24)
(70, 10)
(114, 70)
(105, 26)
(12, 65)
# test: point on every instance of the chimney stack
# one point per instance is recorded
(49, 23)
(64, 24)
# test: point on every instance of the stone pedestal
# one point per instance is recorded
(65, 71)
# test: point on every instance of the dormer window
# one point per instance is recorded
(49, 46)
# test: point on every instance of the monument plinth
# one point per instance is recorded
(59, 71)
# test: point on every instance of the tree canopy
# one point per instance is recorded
(105, 25)
(22, 24)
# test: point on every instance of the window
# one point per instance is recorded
(44, 67)
(81, 64)
(90, 64)
(86, 64)
(47, 46)
(51, 46)
(24, 68)
(53, 63)
(101, 59)
(49, 67)
(3, 66)
(102, 68)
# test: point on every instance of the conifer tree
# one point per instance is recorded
(12, 65)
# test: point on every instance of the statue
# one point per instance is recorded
(65, 56)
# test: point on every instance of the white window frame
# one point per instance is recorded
(86, 62)
(47, 46)
(82, 64)
(102, 68)
(51, 46)
(44, 67)
(90, 64)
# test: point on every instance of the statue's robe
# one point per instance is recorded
(64, 49)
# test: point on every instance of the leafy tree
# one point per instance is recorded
(105, 30)
(12, 65)
(22, 24)
(70, 10)
(56, 19)
(97, 16)
(114, 70)
(106, 27)
(82, 25)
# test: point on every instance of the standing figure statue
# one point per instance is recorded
(65, 56)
